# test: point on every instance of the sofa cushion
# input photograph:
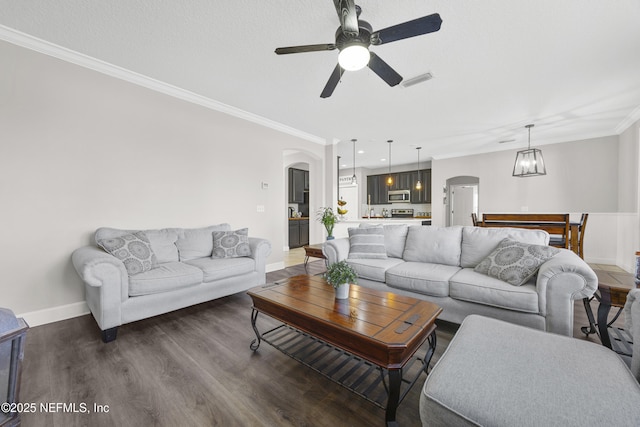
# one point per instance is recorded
(421, 277)
(134, 250)
(164, 277)
(222, 268)
(367, 243)
(395, 238)
(479, 242)
(468, 285)
(231, 244)
(197, 242)
(163, 241)
(437, 245)
(515, 262)
(373, 269)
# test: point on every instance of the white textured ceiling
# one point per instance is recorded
(572, 67)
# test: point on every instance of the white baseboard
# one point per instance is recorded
(55, 314)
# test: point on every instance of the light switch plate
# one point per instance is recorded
(260, 208)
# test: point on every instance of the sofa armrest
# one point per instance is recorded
(106, 284)
(336, 250)
(260, 251)
(98, 268)
(562, 280)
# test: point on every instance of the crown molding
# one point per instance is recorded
(42, 46)
(633, 117)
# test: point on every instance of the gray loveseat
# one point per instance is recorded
(131, 275)
(438, 264)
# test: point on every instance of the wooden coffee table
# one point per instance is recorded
(371, 331)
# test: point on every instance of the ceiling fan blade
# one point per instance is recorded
(384, 71)
(417, 27)
(305, 48)
(348, 16)
(333, 82)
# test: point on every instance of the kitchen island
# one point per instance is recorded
(342, 226)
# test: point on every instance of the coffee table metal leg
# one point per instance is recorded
(256, 342)
(603, 315)
(395, 380)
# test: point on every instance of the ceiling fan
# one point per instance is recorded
(353, 39)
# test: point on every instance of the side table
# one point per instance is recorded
(613, 288)
(313, 251)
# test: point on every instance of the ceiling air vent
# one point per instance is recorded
(418, 79)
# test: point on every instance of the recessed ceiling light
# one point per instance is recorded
(360, 151)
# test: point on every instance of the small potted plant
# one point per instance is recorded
(328, 218)
(340, 275)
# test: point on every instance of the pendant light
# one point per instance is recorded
(353, 178)
(418, 184)
(529, 162)
(390, 178)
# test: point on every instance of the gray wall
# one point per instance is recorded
(81, 150)
(582, 176)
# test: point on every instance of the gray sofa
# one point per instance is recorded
(438, 264)
(131, 275)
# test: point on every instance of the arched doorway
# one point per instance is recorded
(462, 199)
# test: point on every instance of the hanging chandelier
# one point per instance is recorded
(390, 178)
(529, 162)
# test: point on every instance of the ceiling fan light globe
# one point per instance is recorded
(354, 57)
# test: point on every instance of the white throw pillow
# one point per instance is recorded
(367, 243)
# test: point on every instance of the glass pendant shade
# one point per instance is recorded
(353, 178)
(390, 178)
(529, 162)
(354, 57)
(419, 184)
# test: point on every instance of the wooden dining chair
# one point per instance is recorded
(581, 228)
(474, 219)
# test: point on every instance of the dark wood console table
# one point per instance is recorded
(613, 288)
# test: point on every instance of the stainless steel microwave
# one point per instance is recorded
(400, 196)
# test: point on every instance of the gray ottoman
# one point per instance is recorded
(499, 374)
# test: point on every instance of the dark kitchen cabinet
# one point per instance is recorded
(298, 233)
(304, 232)
(402, 181)
(298, 183)
(378, 190)
(423, 195)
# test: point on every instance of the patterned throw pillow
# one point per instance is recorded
(133, 250)
(367, 243)
(231, 244)
(515, 262)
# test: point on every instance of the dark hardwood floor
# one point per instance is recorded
(192, 367)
